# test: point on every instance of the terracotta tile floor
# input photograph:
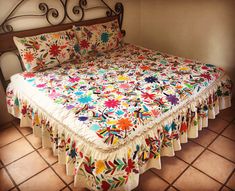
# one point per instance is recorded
(205, 163)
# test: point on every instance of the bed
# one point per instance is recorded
(112, 116)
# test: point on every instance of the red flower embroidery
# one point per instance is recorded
(54, 50)
(183, 127)
(145, 67)
(41, 85)
(141, 57)
(28, 75)
(76, 79)
(111, 103)
(207, 76)
(204, 67)
(130, 166)
(28, 56)
(147, 95)
(84, 44)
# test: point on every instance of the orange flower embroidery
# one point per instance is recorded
(28, 56)
(145, 67)
(124, 123)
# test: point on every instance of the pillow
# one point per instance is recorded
(46, 50)
(98, 38)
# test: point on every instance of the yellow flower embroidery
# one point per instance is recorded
(184, 68)
(122, 78)
(111, 122)
(100, 166)
(124, 104)
(119, 97)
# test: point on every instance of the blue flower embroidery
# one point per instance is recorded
(85, 99)
(78, 93)
(120, 112)
(150, 79)
(104, 37)
(73, 153)
(95, 127)
(83, 118)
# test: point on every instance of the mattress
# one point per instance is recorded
(111, 117)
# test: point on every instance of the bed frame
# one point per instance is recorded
(51, 14)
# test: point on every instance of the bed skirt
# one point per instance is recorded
(119, 169)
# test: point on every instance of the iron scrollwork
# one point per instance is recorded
(51, 13)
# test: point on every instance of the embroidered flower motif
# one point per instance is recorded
(85, 99)
(145, 67)
(205, 75)
(120, 112)
(147, 95)
(69, 107)
(104, 37)
(124, 86)
(56, 35)
(124, 124)
(73, 153)
(41, 85)
(141, 57)
(172, 99)
(130, 166)
(54, 94)
(204, 67)
(43, 38)
(122, 78)
(155, 112)
(28, 56)
(112, 103)
(84, 44)
(76, 79)
(150, 79)
(82, 118)
(28, 74)
(183, 127)
(54, 50)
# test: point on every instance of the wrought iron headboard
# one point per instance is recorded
(79, 10)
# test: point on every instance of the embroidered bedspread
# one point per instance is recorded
(114, 113)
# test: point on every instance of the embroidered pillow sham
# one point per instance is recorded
(47, 50)
(98, 38)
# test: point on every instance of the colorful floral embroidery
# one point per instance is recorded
(148, 89)
(98, 38)
(47, 50)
